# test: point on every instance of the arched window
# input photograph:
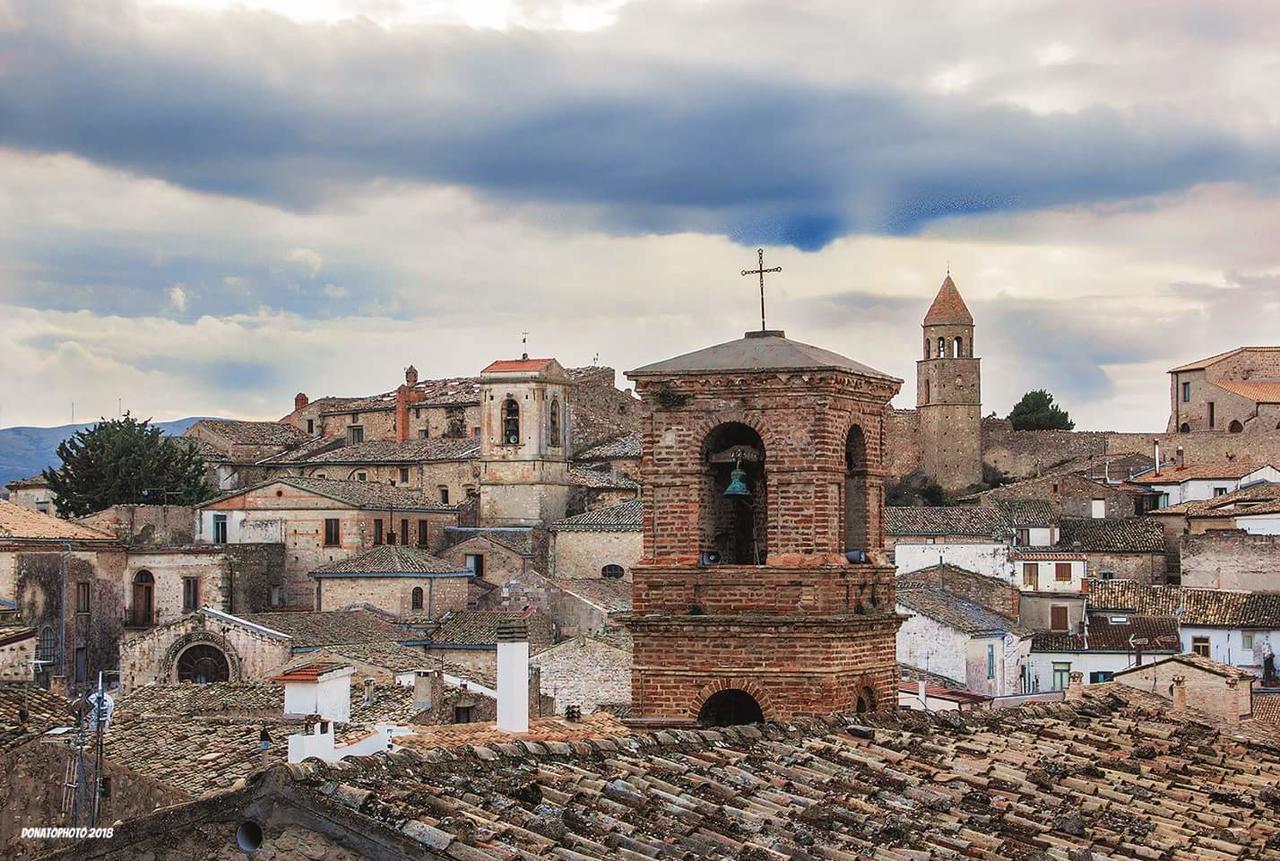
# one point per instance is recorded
(734, 526)
(203, 664)
(1186, 428)
(866, 700)
(1235, 426)
(415, 598)
(612, 572)
(555, 422)
(959, 345)
(510, 422)
(927, 348)
(942, 347)
(928, 392)
(143, 599)
(857, 534)
(47, 645)
(730, 707)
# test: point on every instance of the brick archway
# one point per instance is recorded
(169, 665)
(730, 684)
(866, 699)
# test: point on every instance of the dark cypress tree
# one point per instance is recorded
(1037, 411)
(126, 461)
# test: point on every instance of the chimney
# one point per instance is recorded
(1233, 701)
(300, 400)
(411, 376)
(323, 690)
(1178, 690)
(1177, 457)
(368, 692)
(1075, 686)
(1157, 455)
(424, 689)
(513, 675)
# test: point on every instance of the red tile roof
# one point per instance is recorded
(948, 307)
(310, 672)
(1262, 391)
(516, 365)
(1170, 474)
(17, 522)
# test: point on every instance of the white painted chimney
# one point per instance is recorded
(423, 689)
(320, 689)
(513, 675)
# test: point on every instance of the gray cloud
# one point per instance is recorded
(291, 115)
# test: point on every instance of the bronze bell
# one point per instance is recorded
(738, 482)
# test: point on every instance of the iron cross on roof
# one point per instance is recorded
(761, 272)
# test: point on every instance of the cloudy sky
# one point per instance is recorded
(206, 206)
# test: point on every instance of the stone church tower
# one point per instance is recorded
(949, 394)
(762, 591)
(524, 442)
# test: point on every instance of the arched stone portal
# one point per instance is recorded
(731, 707)
(202, 664)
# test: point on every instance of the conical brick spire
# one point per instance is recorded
(948, 307)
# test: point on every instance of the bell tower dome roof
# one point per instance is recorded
(948, 307)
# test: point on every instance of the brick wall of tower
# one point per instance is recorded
(951, 445)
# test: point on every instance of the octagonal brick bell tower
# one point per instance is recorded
(762, 591)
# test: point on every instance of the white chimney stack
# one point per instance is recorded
(320, 689)
(423, 689)
(513, 675)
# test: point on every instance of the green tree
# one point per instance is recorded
(126, 461)
(1037, 411)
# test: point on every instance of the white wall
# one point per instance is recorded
(329, 698)
(1203, 488)
(1047, 579)
(990, 560)
(1261, 524)
(930, 645)
(1040, 664)
(1226, 645)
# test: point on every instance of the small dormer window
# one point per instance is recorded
(510, 422)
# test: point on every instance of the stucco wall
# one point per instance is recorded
(988, 559)
(1231, 559)
(584, 554)
(394, 594)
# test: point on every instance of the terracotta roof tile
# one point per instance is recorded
(18, 522)
(1111, 535)
(1106, 634)
(1199, 607)
(626, 446)
(601, 478)
(251, 433)
(362, 494)
(954, 611)
(626, 517)
(398, 451)
(1170, 474)
(480, 627)
(971, 520)
(331, 627)
(948, 307)
(390, 559)
(504, 366)
(1261, 391)
(43, 711)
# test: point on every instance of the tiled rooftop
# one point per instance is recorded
(1108, 635)
(1229, 504)
(603, 478)
(387, 559)
(17, 522)
(613, 596)
(514, 538)
(625, 517)
(1026, 513)
(625, 446)
(1111, 534)
(1111, 776)
(480, 627)
(1170, 474)
(1200, 607)
(544, 730)
(252, 433)
(969, 520)
(399, 451)
(43, 711)
(216, 699)
(1261, 391)
(948, 306)
(362, 494)
(1208, 665)
(331, 627)
(954, 611)
(1266, 708)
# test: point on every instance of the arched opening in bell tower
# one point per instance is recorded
(857, 535)
(735, 510)
(732, 707)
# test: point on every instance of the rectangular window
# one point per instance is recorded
(1061, 675)
(1022, 537)
(1098, 508)
(219, 529)
(1219, 491)
(277, 596)
(1164, 501)
(82, 664)
(475, 564)
(404, 475)
(1031, 575)
(311, 426)
(1213, 418)
(422, 533)
(444, 494)
(1186, 392)
(332, 532)
(1200, 645)
(190, 594)
(1246, 640)
(1062, 572)
(377, 530)
(1099, 676)
(991, 661)
(462, 714)
(423, 433)
(404, 530)
(355, 434)
(1058, 620)
(82, 597)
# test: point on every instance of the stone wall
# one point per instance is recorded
(458, 478)
(16, 656)
(501, 563)
(1204, 691)
(583, 554)
(146, 525)
(394, 594)
(1143, 567)
(585, 672)
(1231, 559)
(151, 657)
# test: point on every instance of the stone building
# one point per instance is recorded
(949, 394)
(1233, 392)
(320, 521)
(604, 543)
(1129, 548)
(1231, 559)
(404, 581)
(1191, 681)
(34, 493)
(234, 449)
(762, 592)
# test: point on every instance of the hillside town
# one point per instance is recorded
(531, 614)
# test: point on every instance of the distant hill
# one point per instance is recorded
(24, 451)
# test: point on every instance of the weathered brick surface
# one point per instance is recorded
(1231, 559)
(805, 632)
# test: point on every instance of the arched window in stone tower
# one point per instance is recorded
(554, 431)
(857, 534)
(928, 348)
(510, 422)
(734, 511)
(959, 347)
(942, 347)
